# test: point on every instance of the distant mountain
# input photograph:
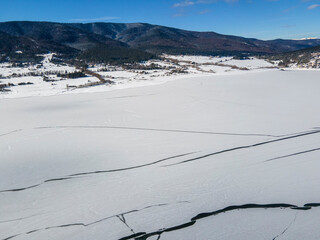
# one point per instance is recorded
(59, 33)
(83, 39)
(160, 39)
(43, 37)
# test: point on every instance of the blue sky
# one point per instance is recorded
(264, 19)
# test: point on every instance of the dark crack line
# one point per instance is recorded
(144, 236)
(311, 205)
(159, 236)
(287, 228)
(121, 218)
(293, 154)
(48, 228)
(36, 185)
(246, 146)
(8, 133)
(73, 176)
(125, 213)
(162, 160)
(130, 168)
(133, 236)
(12, 237)
(20, 189)
(246, 206)
(165, 130)
(60, 226)
(113, 216)
(65, 226)
(157, 233)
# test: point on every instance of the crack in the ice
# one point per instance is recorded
(8, 133)
(311, 205)
(122, 218)
(12, 237)
(159, 236)
(133, 236)
(293, 154)
(162, 130)
(248, 206)
(166, 159)
(129, 212)
(162, 160)
(130, 168)
(246, 146)
(145, 236)
(287, 228)
(76, 175)
(36, 185)
(165, 130)
(20, 189)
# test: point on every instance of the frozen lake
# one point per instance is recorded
(217, 157)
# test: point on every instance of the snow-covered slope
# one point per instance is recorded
(216, 157)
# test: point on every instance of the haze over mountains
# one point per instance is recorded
(74, 38)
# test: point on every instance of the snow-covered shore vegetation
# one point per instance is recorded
(50, 78)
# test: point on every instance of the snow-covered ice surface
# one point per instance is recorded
(209, 157)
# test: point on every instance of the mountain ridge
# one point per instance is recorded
(76, 38)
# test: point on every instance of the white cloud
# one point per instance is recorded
(313, 6)
(188, 3)
(184, 4)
